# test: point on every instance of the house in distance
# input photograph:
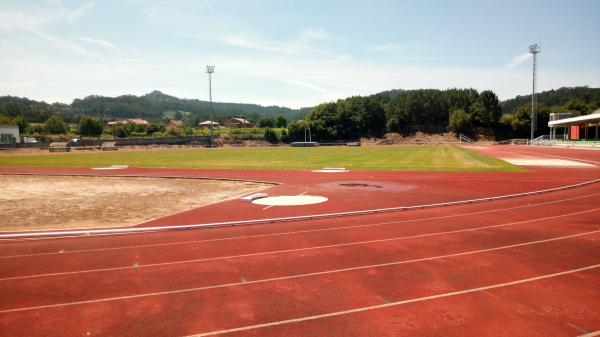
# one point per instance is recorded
(207, 124)
(238, 123)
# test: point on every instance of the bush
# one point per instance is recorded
(284, 136)
(271, 136)
(55, 125)
(266, 122)
(120, 131)
(152, 129)
(460, 121)
(89, 126)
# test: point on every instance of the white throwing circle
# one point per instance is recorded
(290, 200)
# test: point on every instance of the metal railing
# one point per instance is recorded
(463, 138)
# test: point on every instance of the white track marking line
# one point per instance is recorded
(151, 265)
(591, 334)
(289, 277)
(397, 303)
(300, 232)
(248, 282)
(294, 218)
(554, 156)
(162, 264)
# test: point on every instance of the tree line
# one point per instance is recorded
(435, 111)
(154, 106)
(406, 111)
(403, 111)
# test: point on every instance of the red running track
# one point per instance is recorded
(527, 266)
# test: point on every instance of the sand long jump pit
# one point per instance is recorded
(30, 202)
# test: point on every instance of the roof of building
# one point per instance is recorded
(136, 121)
(579, 120)
(5, 126)
(239, 120)
(208, 123)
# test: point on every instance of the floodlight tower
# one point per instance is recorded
(534, 49)
(209, 71)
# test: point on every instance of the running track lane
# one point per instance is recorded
(308, 258)
(337, 231)
(442, 274)
(216, 309)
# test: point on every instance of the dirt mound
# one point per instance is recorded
(416, 138)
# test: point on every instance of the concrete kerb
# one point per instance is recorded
(139, 176)
(89, 232)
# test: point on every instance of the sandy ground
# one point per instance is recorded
(44, 202)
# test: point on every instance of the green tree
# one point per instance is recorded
(460, 121)
(519, 121)
(152, 129)
(90, 127)
(577, 107)
(266, 122)
(120, 131)
(280, 122)
(55, 125)
(486, 111)
(22, 123)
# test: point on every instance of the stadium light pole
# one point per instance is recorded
(209, 71)
(534, 49)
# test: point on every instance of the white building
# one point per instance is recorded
(9, 134)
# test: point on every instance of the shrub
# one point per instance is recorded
(460, 121)
(271, 136)
(120, 131)
(55, 125)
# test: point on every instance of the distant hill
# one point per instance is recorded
(589, 97)
(153, 106)
(157, 106)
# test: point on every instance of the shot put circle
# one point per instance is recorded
(290, 200)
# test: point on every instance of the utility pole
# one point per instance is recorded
(534, 49)
(209, 71)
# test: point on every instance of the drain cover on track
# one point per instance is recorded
(290, 200)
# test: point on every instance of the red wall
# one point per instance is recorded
(574, 132)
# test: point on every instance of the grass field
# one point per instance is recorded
(424, 158)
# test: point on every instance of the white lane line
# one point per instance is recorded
(355, 243)
(559, 157)
(150, 265)
(87, 232)
(591, 334)
(289, 277)
(396, 303)
(302, 231)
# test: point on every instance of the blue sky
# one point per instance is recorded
(291, 53)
